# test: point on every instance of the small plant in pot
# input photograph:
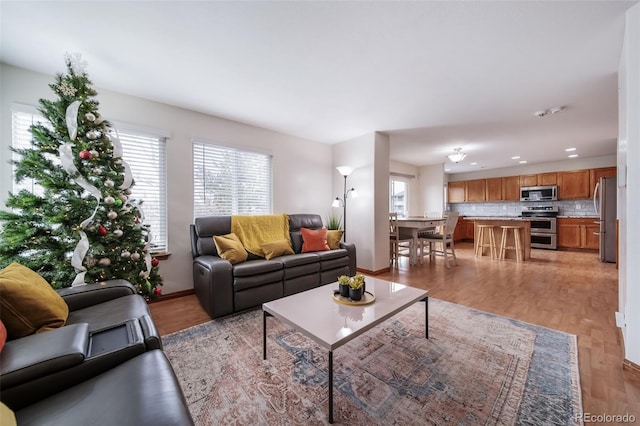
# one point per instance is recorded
(343, 285)
(356, 287)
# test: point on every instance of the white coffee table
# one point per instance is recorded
(331, 324)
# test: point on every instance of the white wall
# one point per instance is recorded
(302, 176)
(629, 195)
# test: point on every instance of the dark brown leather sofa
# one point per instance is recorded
(104, 366)
(223, 288)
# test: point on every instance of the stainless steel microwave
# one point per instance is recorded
(539, 193)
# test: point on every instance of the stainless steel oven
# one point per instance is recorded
(543, 226)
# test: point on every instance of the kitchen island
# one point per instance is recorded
(497, 222)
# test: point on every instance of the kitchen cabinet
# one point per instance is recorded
(547, 179)
(511, 188)
(575, 184)
(464, 230)
(528, 180)
(494, 189)
(596, 174)
(456, 192)
(475, 190)
(578, 233)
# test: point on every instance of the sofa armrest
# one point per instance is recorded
(213, 284)
(92, 294)
(41, 354)
(351, 251)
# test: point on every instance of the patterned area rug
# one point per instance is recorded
(475, 368)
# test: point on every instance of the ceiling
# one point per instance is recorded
(432, 75)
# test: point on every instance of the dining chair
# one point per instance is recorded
(444, 237)
(397, 241)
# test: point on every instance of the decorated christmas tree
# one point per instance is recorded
(85, 225)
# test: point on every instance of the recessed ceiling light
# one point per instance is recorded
(523, 162)
(474, 164)
(515, 158)
(573, 155)
(570, 149)
(447, 170)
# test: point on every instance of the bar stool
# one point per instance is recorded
(482, 244)
(516, 239)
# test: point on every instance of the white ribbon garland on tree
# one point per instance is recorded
(66, 159)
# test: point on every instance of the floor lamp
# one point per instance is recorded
(344, 171)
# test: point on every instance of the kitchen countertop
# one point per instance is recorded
(513, 218)
(578, 217)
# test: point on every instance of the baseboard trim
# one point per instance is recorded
(173, 295)
(631, 367)
(378, 272)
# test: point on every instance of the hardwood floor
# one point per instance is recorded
(568, 291)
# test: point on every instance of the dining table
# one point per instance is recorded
(413, 225)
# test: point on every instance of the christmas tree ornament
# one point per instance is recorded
(118, 233)
(91, 134)
(99, 120)
(117, 202)
(105, 261)
(109, 183)
(125, 254)
(112, 215)
(128, 191)
(123, 197)
(90, 116)
(97, 170)
(95, 153)
(109, 200)
(157, 291)
(137, 220)
(155, 261)
(85, 155)
(135, 256)
(102, 230)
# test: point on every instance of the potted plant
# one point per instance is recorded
(356, 287)
(334, 230)
(343, 284)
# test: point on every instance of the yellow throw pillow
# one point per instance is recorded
(7, 417)
(333, 238)
(230, 248)
(28, 304)
(276, 248)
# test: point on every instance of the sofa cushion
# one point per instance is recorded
(256, 267)
(276, 248)
(314, 240)
(230, 248)
(333, 238)
(298, 259)
(29, 305)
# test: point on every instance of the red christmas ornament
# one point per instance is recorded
(157, 291)
(154, 261)
(85, 155)
(102, 230)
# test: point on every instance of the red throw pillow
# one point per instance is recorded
(314, 240)
(3, 335)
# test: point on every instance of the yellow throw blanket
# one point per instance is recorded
(254, 231)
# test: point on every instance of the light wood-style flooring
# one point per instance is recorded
(564, 290)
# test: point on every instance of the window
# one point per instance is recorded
(23, 117)
(398, 196)
(145, 154)
(230, 181)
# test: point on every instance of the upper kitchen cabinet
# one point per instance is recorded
(494, 189)
(548, 179)
(511, 188)
(575, 184)
(539, 179)
(456, 192)
(596, 174)
(476, 190)
(528, 180)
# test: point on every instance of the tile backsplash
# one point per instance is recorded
(583, 207)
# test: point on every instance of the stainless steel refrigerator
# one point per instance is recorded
(604, 201)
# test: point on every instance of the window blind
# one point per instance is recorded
(230, 181)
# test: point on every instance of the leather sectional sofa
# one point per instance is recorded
(223, 288)
(104, 366)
